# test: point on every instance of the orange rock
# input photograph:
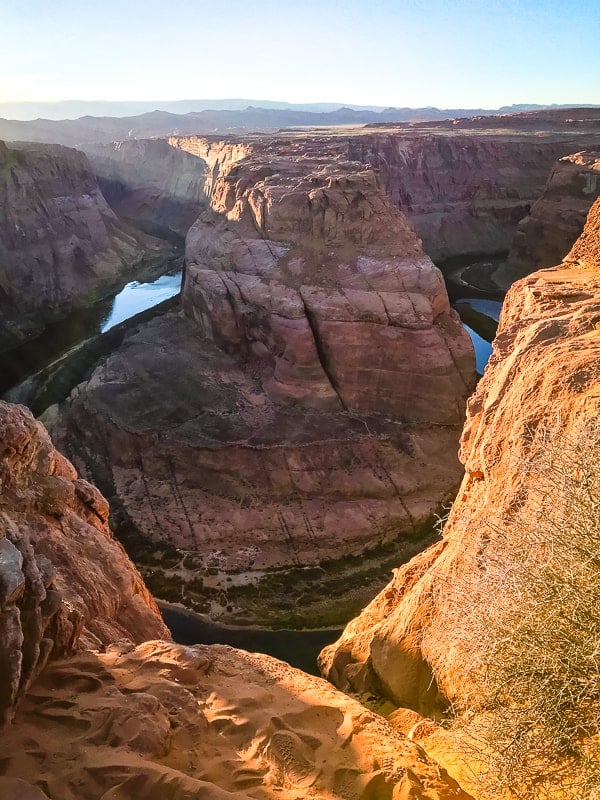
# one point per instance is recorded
(544, 372)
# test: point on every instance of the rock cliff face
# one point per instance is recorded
(64, 581)
(545, 236)
(147, 182)
(306, 408)
(464, 194)
(543, 374)
(61, 246)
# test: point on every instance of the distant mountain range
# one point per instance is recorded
(101, 129)
(73, 109)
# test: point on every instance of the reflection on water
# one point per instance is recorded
(491, 308)
(136, 297)
(61, 337)
(483, 349)
(298, 648)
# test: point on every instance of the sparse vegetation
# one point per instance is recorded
(525, 619)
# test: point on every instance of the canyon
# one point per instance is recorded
(61, 245)
(545, 236)
(97, 702)
(316, 378)
(273, 447)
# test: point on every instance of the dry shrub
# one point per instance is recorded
(523, 616)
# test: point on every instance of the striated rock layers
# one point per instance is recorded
(307, 406)
(61, 246)
(152, 185)
(464, 193)
(64, 581)
(544, 374)
(545, 236)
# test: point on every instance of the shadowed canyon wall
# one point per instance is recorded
(150, 184)
(464, 194)
(545, 236)
(61, 246)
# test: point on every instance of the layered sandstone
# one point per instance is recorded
(545, 236)
(306, 408)
(156, 187)
(64, 580)
(61, 246)
(463, 192)
(543, 375)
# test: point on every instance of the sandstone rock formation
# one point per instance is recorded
(544, 373)
(156, 187)
(161, 720)
(545, 236)
(464, 192)
(64, 581)
(307, 406)
(61, 246)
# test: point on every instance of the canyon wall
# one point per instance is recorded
(545, 236)
(150, 184)
(61, 246)
(65, 583)
(464, 194)
(542, 381)
(306, 407)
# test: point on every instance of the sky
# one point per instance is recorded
(445, 53)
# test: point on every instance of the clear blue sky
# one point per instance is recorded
(381, 52)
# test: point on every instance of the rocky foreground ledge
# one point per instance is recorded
(86, 714)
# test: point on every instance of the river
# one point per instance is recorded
(298, 648)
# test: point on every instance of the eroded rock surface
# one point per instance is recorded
(61, 246)
(464, 192)
(165, 720)
(545, 236)
(543, 374)
(64, 581)
(307, 406)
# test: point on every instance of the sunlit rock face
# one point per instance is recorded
(307, 405)
(65, 583)
(210, 722)
(545, 236)
(543, 375)
(61, 246)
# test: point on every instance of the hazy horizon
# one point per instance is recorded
(402, 53)
(30, 110)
